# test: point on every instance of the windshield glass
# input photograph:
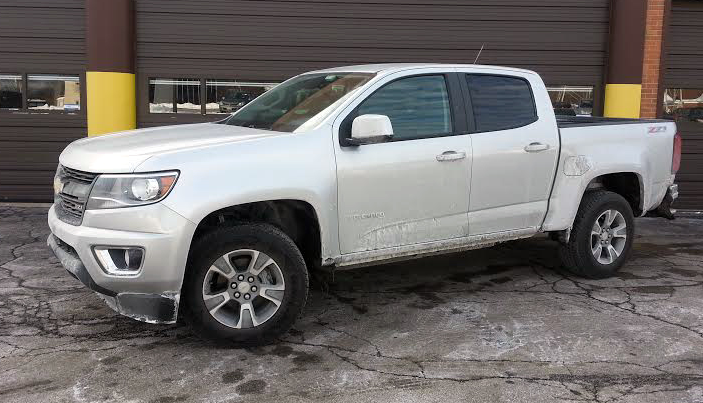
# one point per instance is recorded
(291, 104)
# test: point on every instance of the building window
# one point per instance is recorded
(571, 100)
(227, 96)
(53, 92)
(10, 91)
(174, 95)
(182, 95)
(40, 92)
(683, 104)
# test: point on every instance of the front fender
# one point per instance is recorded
(296, 167)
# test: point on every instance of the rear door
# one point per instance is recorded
(515, 149)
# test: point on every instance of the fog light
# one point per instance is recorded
(120, 261)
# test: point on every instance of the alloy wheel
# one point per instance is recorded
(608, 236)
(243, 288)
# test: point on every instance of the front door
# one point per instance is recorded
(415, 187)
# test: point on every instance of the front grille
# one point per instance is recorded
(79, 176)
(70, 201)
(72, 205)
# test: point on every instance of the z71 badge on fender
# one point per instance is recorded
(365, 216)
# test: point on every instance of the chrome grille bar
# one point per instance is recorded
(70, 207)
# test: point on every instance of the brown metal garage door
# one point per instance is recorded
(684, 98)
(263, 41)
(41, 41)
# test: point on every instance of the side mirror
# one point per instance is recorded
(370, 129)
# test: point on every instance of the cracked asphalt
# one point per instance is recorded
(499, 324)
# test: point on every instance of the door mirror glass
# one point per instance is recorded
(371, 129)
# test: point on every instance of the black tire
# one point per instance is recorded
(261, 237)
(576, 255)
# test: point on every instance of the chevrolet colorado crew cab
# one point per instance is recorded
(219, 223)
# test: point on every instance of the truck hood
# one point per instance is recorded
(124, 151)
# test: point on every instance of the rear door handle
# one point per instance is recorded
(451, 156)
(536, 147)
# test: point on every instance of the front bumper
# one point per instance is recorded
(152, 295)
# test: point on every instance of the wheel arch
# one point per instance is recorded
(629, 185)
(568, 197)
(296, 218)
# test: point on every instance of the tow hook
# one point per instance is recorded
(665, 210)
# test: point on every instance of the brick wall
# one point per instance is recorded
(651, 65)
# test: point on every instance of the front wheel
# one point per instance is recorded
(601, 237)
(246, 284)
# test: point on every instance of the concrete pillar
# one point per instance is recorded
(623, 87)
(110, 79)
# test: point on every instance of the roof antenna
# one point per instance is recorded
(479, 53)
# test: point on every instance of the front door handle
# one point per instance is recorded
(451, 156)
(536, 147)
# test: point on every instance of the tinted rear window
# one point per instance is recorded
(500, 102)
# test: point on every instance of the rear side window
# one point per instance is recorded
(500, 102)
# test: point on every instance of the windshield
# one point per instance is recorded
(291, 104)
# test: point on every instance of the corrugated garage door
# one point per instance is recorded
(264, 41)
(45, 52)
(684, 99)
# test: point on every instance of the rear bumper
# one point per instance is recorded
(153, 294)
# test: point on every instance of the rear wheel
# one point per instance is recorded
(246, 284)
(601, 237)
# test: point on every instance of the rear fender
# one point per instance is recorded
(569, 190)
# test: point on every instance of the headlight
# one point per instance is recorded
(126, 190)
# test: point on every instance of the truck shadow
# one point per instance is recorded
(517, 267)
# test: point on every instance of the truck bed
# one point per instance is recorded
(581, 121)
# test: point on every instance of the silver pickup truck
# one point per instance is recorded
(220, 223)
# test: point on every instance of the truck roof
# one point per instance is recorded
(394, 67)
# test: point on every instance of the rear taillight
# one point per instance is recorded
(676, 158)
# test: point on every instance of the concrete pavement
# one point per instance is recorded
(501, 324)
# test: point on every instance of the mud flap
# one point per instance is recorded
(665, 210)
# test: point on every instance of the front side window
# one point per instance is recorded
(417, 106)
(571, 100)
(174, 95)
(10, 91)
(500, 102)
(53, 92)
(227, 96)
(288, 106)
